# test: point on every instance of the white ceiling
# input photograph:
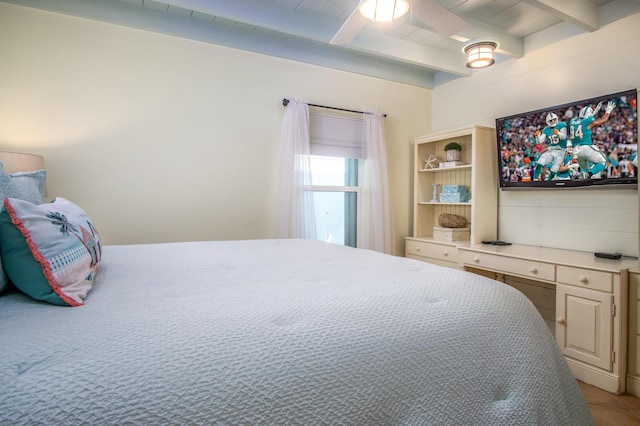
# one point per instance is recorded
(406, 50)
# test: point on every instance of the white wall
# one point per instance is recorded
(592, 64)
(165, 139)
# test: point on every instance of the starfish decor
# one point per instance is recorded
(431, 162)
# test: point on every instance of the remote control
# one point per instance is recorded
(604, 255)
(496, 242)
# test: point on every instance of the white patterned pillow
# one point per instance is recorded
(50, 251)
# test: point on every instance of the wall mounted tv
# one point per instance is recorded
(591, 143)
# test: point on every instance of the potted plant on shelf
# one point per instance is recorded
(453, 151)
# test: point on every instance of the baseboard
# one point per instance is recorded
(598, 378)
(633, 385)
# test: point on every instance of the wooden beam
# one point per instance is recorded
(579, 12)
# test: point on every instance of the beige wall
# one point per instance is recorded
(592, 64)
(165, 139)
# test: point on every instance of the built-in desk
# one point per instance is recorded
(591, 302)
(586, 300)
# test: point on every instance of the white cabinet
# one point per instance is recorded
(591, 299)
(584, 325)
(633, 369)
(591, 294)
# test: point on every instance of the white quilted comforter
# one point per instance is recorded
(282, 332)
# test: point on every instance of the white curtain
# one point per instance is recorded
(294, 205)
(374, 212)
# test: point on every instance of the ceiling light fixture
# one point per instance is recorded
(480, 53)
(383, 10)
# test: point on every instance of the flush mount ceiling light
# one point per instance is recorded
(480, 53)
(383, 10)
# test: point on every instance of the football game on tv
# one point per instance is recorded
(590, 143)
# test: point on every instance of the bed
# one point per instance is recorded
(281, 332)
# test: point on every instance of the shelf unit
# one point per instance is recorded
(478, 174)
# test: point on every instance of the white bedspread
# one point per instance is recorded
(282, 332)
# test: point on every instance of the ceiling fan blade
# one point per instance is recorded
(350, 28)
(437, 17)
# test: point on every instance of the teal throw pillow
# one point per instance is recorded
(4, 281)
(50, 251)
(27, 186)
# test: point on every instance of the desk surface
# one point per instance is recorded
(573, 258)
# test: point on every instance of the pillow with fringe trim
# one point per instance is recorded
(50, 251)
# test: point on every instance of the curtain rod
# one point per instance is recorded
(285, 102)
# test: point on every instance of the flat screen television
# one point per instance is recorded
(591, 143)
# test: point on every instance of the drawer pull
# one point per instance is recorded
(561, 320)
(476, 259)
(417, 248)
(583, 279)
(445, 254)
(534, 270)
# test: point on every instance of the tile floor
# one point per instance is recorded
(609, 409)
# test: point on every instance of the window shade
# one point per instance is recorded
(334, 136)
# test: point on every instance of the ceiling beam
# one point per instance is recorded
(393, 48)
(262, 14)
(265, 15)
(240, 37)
(579, 12)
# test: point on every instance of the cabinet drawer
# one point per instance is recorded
(521, 267)
(433, 250)
(595, 280)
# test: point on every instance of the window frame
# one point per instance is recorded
(352, 174)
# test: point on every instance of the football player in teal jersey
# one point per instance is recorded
(592, 161)
(567, 169)
(555, 134)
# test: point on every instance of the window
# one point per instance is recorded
(363, 195)
(335, 197)
(336, 142)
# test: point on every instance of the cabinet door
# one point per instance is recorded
(634, 328)
(584, 325)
